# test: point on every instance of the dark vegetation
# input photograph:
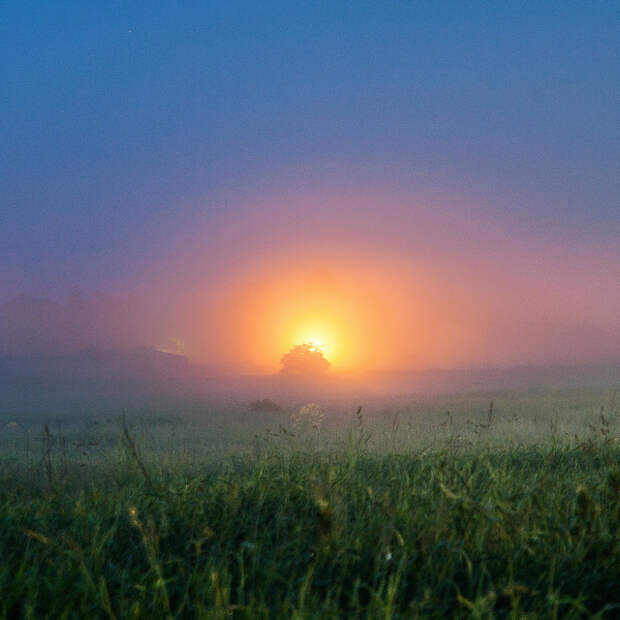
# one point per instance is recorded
(332, 524)
(305, 359)
(266, 404)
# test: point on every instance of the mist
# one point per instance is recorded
(397, 279)
(414, 189)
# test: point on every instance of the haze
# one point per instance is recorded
(417, 185)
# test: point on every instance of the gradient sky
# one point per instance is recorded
(194, 154)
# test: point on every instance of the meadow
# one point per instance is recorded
(503, 504)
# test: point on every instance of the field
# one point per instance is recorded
(502, 504)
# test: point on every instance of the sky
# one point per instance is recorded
(413, 184)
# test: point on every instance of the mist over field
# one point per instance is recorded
(415, 287)
(309, 310)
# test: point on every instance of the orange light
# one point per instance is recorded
(321, 335)
(339, 310)
(355, 311)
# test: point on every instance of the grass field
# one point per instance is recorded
(435, 507)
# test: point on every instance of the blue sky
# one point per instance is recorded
(119, 118)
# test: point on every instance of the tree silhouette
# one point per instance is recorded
(305, 359)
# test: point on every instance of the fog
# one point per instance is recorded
(412, 187)
(389, 280)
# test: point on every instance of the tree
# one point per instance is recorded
(305, 359)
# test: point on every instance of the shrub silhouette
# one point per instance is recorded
(264, 405)
(305, 359)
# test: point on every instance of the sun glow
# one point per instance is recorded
(319, 340)
(346, 311)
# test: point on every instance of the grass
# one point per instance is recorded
(363, 518)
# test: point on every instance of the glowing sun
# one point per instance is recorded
(323, 339)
